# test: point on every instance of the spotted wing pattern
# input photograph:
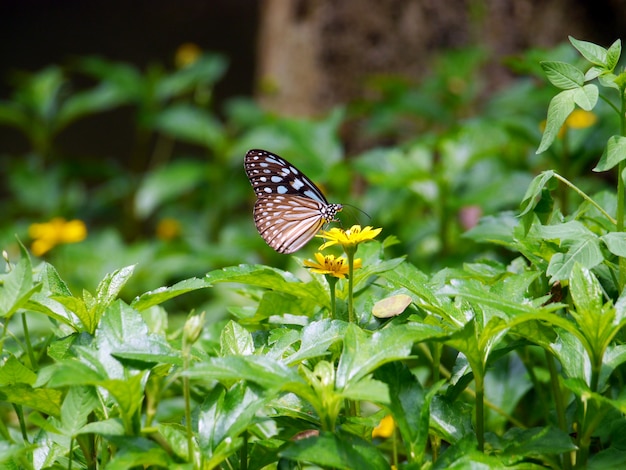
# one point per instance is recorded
(289, 209)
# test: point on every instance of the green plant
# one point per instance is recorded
(509, 361)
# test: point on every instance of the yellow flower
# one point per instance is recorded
(168, 229)
(337, 267)
(187, 54)
(49, 234)
(348, 238)
(580, 119)
(385, 428)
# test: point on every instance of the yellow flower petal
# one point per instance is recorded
(348, 238)
(385, 428)
(72, 232)
(337, 267)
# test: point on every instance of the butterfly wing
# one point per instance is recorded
(270, 174)
(287, 223)
(289, 209)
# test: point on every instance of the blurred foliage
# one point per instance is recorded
(478, 333)
(442, 153)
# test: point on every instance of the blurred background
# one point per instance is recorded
(123, 125)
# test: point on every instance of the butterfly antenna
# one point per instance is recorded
(354, 217)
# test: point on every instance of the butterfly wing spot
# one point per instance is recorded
(297, 184)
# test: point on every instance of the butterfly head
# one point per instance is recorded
(330, 211)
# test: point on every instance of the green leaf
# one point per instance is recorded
(590, 51)
(316, 338)
(46, 400)
(176, 436)
(108, 427)
(225, 414)
(613, 54)
(270, 278)
(205, 71)
(534, 191)
(536, 442)
(495, 229)
(614, 357)
(615, 242)
(451, 419)
(123, 337)
(363, 353)
(586, 97)
(52, 282)
(586, 252)
(261, 370)
(77, 405)
(192, 125)
(18, 285)
(160, 295)
(340, 451)
(138, 452)
(580, 388)
(124, 78)
(90, 309)
(128, 394)
(568, 231)
(563, 75)
(236, 340)
(13, 372)
(367, 389)
(415, 281)
(110, 287)
(614, 153)
(80, 104)
(69, 372)
(409, 405)
(595, 319)
(559, 109)
(167, 183)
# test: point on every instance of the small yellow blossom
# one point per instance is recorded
(385, 428)
(168, 229)
(580, 119)
(49, 234)
(337, 267)
(348, 238)
(187, 54)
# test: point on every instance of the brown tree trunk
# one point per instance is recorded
(315, 54)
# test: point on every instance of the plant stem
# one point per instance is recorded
(350, 255)
(564, 170)
(582, 194)
(187, 399)
(480, 410)
(559, 405)
(332, 283)
(29, 346)
(620, 193)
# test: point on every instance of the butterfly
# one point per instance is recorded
(289, 209)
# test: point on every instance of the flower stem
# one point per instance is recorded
(350, 255)
(332, 282)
